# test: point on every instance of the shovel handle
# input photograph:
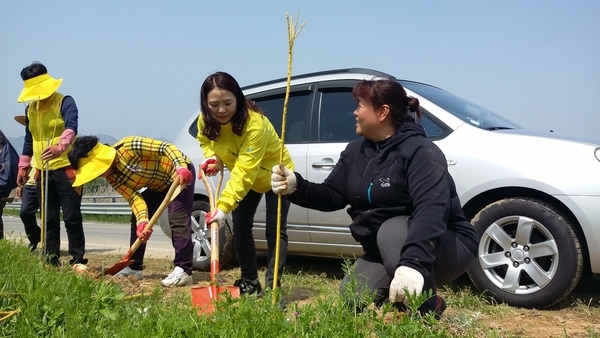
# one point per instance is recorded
(211, 197)
(214, 226)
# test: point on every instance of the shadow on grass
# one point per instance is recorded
(329, 267)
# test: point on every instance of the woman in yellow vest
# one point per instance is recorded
(51, 126)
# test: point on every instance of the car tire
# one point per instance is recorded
(528, 255)
(201, 239)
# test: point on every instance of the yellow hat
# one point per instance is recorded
(39, 88)
(20, 119)
(97, 162)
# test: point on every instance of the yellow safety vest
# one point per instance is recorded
(46, 126)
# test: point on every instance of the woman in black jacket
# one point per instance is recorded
(403, 202)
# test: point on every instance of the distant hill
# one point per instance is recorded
(106, 139)
(17, 142)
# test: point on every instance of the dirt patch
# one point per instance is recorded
(575, 317)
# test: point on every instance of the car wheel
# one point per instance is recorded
(528, 255)
(201, 238)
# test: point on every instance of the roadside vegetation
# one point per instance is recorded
(39, 301)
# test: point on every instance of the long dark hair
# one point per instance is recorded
(385, 91)
(222, 80)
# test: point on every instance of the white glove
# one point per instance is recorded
(217, 216)
(282, 182)
(408, 278)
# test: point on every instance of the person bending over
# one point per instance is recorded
(135, 163)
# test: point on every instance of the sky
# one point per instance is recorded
(136, 67)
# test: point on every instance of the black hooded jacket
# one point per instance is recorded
(403, 175)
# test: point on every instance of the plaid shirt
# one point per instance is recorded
(144, 163)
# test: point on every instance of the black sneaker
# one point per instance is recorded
(32, 246)
(435, 305)
(249, 286)
(53, 260)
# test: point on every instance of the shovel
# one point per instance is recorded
(44, 207)
(204, 296)
(174, 190)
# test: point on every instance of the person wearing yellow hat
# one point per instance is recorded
(135, 163)
(51, 122)
(29, 203)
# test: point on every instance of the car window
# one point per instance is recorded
(435, 130)
(337, 121)
(193, 129)
(272, 107)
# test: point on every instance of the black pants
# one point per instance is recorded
(61, 194)
(452, 260)
(29, 208)
(2, 205)
(243, 222)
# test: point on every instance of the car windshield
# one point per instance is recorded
(461, 108)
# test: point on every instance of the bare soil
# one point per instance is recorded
(577, 316)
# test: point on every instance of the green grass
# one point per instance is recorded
(57, 302)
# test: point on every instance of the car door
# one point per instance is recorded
(333, 126)
(296, 139)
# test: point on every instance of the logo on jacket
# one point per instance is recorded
(385, 182)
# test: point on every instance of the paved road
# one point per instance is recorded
(100, 237)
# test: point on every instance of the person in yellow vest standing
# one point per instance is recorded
(29, 203)
(51, 121)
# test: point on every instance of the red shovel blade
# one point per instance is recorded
(118, 267)
(204, 297)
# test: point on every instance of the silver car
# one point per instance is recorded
(533, 197)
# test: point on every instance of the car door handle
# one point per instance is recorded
(321, 165)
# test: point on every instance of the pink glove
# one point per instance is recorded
(217, 216)
(143, 235)
(51, 152)
(210, 166)
(185, 175)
